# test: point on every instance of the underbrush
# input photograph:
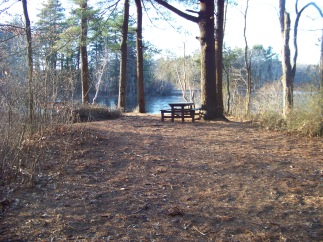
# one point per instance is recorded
(20, 148)
(302, 122)
(306, 118)
(86, 113)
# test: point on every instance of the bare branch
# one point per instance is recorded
(192, 11)
(10, 26)
(177, 11)
(296, 28)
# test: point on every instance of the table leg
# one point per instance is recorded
(172, 114)
(183, 120)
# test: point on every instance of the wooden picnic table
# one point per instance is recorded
(180, 110)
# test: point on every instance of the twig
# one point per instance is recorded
(198, 231)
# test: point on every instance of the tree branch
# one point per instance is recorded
(177, 11)
(192, 11)
(10, 26)
(296, 28)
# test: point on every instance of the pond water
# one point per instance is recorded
(153, 104)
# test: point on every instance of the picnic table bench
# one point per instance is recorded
(180, 110)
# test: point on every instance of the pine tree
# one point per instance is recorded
(50, 25)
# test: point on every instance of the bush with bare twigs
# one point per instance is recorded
(20, 148)
(305, 118)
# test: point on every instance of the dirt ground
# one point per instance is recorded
(139, 179)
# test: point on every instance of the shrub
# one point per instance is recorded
(87, 113)
(306, 117)
(20, 149)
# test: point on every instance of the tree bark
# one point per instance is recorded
(287, 76)
(84, 56)
(31, 110)
(140, 60)
(205, 21)
(123, 61)
(208, 75)
(219, 56)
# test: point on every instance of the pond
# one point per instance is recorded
(153, 104)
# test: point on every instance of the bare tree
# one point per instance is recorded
(99, 73)
(289, 69)
(247, 59)
(298, 15)
(185, 76)
(30, 64)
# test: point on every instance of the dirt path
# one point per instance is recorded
(138, 179)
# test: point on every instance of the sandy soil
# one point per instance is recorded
(139, 179)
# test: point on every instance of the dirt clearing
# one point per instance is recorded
(139, 179)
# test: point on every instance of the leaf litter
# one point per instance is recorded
(139, 179)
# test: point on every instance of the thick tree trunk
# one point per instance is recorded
(84, 57)
(219, 57)
(140, 60)
(31, 110)
(123, 61)
(208, 76)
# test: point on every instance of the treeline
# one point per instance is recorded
(56, 55)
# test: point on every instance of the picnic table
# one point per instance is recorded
(180, 110)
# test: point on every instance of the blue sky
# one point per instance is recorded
(262, 28)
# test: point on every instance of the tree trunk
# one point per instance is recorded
(84, 57)
(31, 110)
(247, 58)
(123, 61)
(287, 77)
(140, 60)
(207, 43)
(219, 57)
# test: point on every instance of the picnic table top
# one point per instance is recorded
(181, 104)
